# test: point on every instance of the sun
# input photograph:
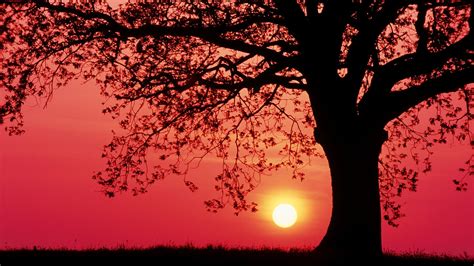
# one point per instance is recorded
(284, 215)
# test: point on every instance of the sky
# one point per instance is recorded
(48, 199)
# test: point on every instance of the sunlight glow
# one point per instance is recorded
(284, 215)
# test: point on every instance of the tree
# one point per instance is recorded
(229, 79)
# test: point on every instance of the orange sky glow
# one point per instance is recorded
(48, 199)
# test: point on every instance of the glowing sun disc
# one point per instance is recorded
(284, 215)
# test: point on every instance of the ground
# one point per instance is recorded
(210, 256)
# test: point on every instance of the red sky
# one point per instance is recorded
(48, 199)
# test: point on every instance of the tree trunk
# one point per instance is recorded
(355, 226)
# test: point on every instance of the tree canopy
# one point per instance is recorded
(232, 79)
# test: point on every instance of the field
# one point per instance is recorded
(211, 255)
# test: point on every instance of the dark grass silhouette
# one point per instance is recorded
(215, 255)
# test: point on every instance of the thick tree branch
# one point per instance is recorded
(179, 31)
(422, 45)
(331, 25)
(398, 102)
(411, 65)
(364, 44)
(212, 34)
(294, 18)
(312, 8)
(419, 63)
(85, 15)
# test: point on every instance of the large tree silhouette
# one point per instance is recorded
(232, 79)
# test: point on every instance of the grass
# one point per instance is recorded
(211, 255)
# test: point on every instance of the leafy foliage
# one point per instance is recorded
(235, 79)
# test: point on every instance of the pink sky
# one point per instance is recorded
(48, 199)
